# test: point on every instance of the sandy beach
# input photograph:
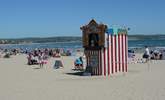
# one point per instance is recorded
(19, 81)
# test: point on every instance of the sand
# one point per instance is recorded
(19, 81)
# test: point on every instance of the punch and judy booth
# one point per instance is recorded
(105, 49)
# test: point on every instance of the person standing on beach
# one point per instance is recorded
(40, 58)
(146, 54)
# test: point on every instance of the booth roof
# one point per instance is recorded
(115, 31)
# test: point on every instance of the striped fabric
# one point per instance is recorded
(111, 59)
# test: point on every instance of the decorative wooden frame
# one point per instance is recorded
(95, 28)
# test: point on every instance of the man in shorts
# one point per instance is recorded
(146, 54)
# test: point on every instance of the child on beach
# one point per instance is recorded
(41, 59)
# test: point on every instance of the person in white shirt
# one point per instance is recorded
(146, 54)
(41, 59)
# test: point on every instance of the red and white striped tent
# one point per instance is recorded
(112, 58)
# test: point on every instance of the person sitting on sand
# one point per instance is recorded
(78, 63)
(156, 54)
(29, 57)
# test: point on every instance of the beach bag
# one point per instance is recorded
(58, 64)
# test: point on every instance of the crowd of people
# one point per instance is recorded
(6, 53)
(153, 54)
(156, 54)
(149, 53)
(41, 56)
(36, 56)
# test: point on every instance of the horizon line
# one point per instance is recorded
(70, 36)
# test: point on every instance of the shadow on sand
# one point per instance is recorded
(80, 73)
(36, 68)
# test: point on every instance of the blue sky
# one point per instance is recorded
(46, 18)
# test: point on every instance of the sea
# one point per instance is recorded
(132, 44)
